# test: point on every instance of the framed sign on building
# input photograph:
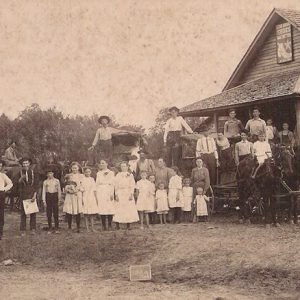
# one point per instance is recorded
(284, 43)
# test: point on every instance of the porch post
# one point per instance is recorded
(215, 121)
(297, 129)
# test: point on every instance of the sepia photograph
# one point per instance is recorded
(150, 149)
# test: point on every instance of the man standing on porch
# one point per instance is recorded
(256, 125)
(206, 149)
(233, 127)
(173, 130)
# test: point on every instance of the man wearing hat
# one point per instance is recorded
(206, 149)
(5, 185)
(28, 185)
(173, 130)
(103, 140)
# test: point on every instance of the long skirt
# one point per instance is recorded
(105, 204)
(125, 209)
(201, 208)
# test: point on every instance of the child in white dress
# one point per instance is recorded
(125, 210)
(175, 196)
(162, 206)
(201, 205)
(151, 212)
(143, 203)
(73, 200)
(187, 192)
(105, 194)
(89, 199)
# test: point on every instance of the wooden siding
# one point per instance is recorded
(265, 62)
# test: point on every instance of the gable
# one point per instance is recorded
(265, 62)
(259, 60)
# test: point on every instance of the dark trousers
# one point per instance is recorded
(211, 164)
(24, 217)
(2, 204)
(175, 214)
(105, 151)
(70, 218)
(109, 220)
(52, 209)
(173, 148)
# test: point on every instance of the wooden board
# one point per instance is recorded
(140, 273)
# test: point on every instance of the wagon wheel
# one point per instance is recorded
(211, 204)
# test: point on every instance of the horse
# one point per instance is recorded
(261, 187)
(288, 159)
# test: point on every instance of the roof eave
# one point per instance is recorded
(210, 111)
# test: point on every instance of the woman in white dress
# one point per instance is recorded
(105, 194)
(73, 203)
(175, 196)
(89, 199)
(125, 209)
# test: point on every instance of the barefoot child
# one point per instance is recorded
(175, 196)
(89, 199)
(162, 207)
(143, 203)
(187, 192)
(201, 205)
(51, 196)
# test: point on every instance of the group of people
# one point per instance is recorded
(140, 189)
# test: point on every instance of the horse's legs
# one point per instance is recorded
(273, 208)
(267, 209)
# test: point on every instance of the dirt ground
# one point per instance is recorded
(216, 260)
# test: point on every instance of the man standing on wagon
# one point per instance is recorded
(173, 130)
(206, 149)
(103, 139)
(233, 127)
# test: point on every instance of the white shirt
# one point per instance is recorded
(260, 149)
(177, 124)
(5, 183)
(270, 132)
(104, 134)
(206, 145)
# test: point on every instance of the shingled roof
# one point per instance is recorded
(268, 87)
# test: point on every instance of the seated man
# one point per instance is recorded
(262, 151)
(10, 156)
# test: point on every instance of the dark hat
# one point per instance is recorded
(26, 159)
(174, 108)
(103, 118)
(203, 128)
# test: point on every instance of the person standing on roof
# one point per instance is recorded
(103, 140)
(173, 130)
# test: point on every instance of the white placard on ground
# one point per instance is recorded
(140, 273)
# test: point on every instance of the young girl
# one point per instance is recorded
(152, 199)
(201, 205)
(143, 203)
(187, 192)
(51, 195)
(162, 207)
(73, 201)
(125, 209)
(89, 199)
(175, 195)
(105, 194)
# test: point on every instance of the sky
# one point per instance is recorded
(122, 57)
